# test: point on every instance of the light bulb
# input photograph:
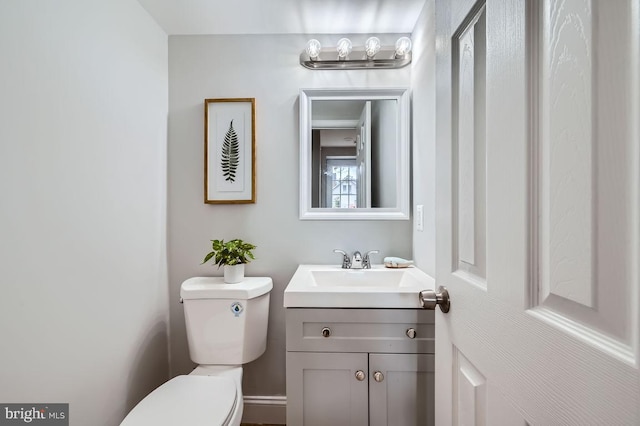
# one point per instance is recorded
(313, 48)
(372, 46)
(344, 47)
(403, 46)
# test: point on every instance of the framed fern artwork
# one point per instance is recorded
(229, 151)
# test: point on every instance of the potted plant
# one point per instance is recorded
(232, 255)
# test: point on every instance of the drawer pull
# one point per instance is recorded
(378, 376)
(360, 376)
(411, 333)
(326, 332)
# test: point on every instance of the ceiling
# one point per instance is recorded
(181, 17)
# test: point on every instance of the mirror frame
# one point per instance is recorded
(402, 209)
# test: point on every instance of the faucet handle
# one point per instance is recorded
(346, 262)
(366, 261)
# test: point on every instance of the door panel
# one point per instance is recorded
(565, 108)
(469, 174)
(470, 393)
(584, 170)
(540, 249)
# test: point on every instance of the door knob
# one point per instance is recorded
(326, 332)
(411, 333)
(430, 298)
(360, 375)
(378, 376)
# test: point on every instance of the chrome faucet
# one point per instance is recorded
(346, 262)
(366, 260)
(357, 261)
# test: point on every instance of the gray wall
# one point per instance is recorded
(266, 68)
(424, 136)
(83, 285)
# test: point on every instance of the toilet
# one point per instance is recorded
(226, 327)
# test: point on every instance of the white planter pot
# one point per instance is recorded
(233, 273)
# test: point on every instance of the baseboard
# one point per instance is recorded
(265, 410)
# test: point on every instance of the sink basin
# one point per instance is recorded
(360, 278)
(329, 286)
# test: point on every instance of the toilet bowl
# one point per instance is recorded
(206, 397)
(226, 327)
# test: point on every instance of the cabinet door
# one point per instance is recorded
(403, 391)
(322, 389)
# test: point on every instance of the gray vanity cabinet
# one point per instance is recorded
(325, 390)
(358, 367)
(405, 394)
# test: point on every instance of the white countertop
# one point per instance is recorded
(330, 286)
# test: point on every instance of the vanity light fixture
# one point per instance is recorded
(344, 47)
(403, 46)
(344, 56)
(371, 47)
(313, 49)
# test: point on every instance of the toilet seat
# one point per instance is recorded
(187, 400)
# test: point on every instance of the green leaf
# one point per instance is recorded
(208, 256)
(230, 157)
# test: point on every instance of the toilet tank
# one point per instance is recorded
(226, 324)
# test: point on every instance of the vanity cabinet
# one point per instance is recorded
(360, 367)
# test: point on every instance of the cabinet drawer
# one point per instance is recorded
(360, 330)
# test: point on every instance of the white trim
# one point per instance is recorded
(587, 334)
(402, 209)
(334, 124)
(265, 409)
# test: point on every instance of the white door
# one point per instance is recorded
(538, 212)
(363, 156)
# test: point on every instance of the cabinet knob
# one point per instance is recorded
(411, 333)
(378, 376)
(326, 332)
(360, 376)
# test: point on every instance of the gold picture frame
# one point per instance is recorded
(229, 151)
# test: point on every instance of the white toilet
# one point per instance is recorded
(226, 327)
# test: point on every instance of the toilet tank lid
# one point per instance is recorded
(215, 288)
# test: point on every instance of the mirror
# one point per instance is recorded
(354, 154)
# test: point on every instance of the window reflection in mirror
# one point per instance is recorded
(339, 183)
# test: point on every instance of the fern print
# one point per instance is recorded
(230, 154)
